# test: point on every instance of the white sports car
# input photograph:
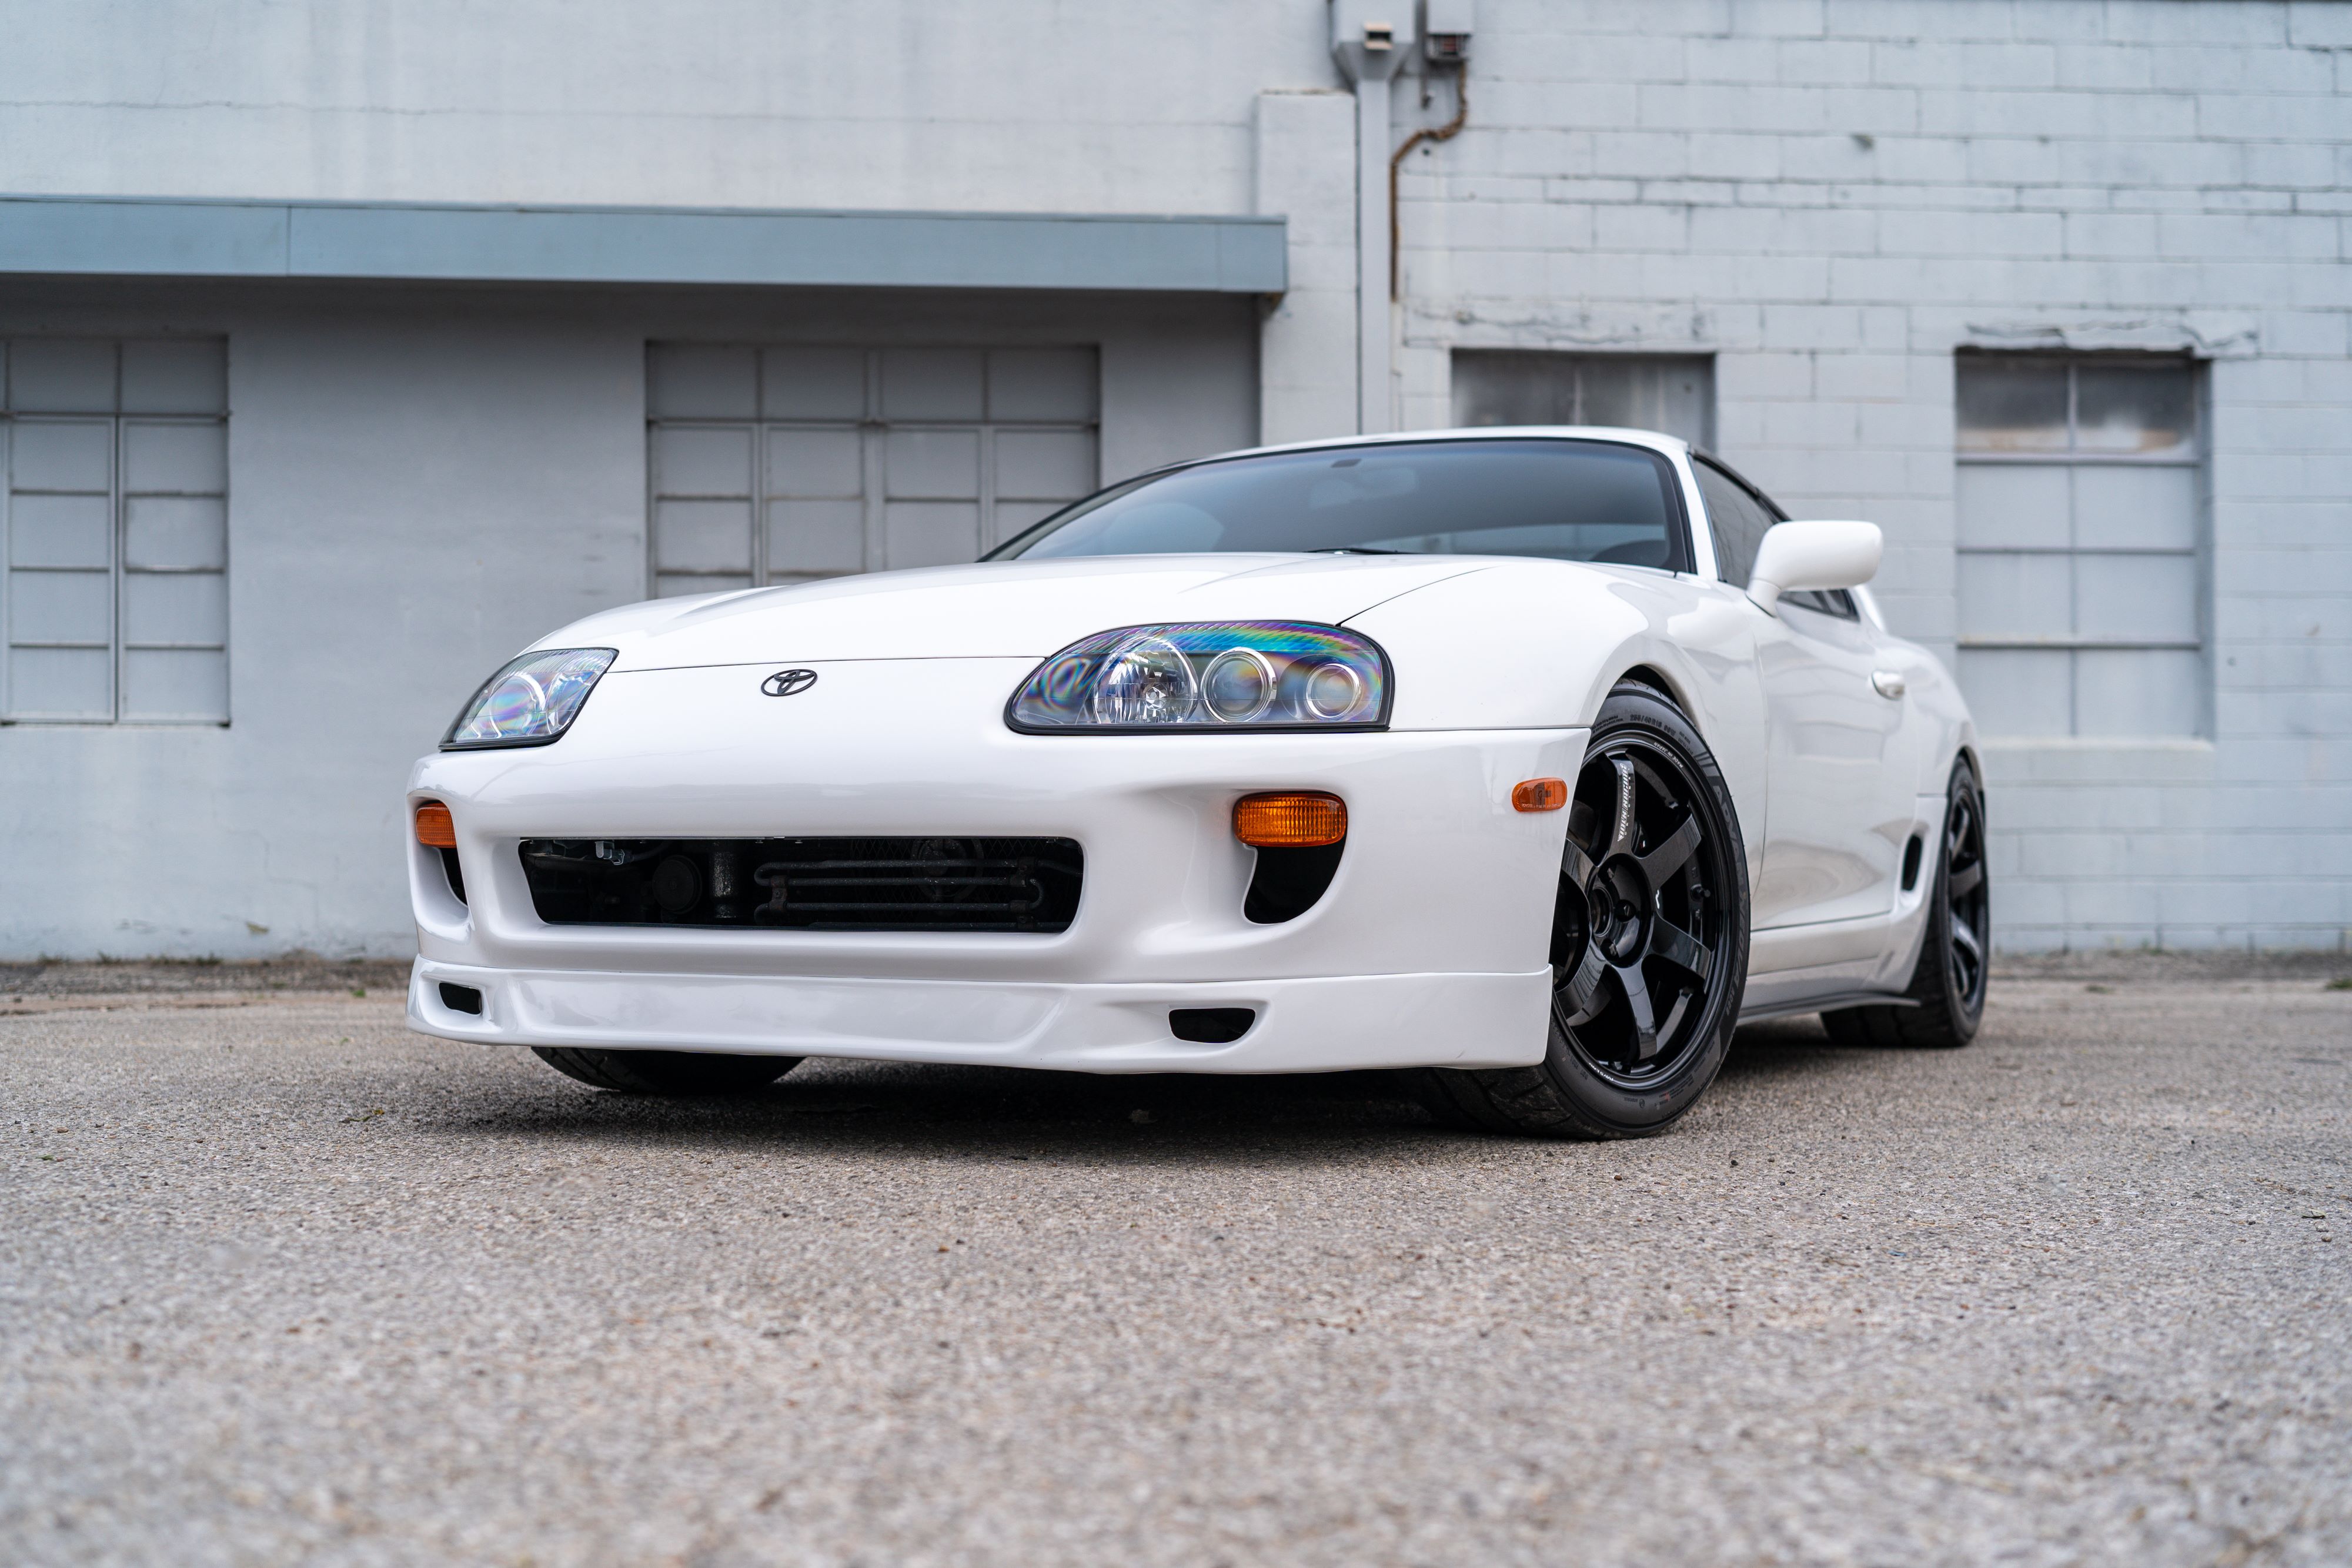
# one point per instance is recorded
(1532, 760)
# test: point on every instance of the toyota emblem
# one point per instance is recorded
(788, 682)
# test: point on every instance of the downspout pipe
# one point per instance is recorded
(1446, 132)
(1368, 53)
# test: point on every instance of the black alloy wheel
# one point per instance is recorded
(1638, 931)
(1649, 941)
(1968, 909)
(1944, 1003)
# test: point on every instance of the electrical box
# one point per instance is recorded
(1445, 31)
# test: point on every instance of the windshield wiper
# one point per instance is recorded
(1357, 549)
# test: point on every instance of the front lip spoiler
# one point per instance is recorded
(1315, 1023)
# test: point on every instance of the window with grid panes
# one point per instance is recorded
(2081, 592)
(790, 463)
(114, 530)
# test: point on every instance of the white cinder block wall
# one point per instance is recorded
(1026, 106)
(1831, 196)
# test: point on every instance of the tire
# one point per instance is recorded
(1652, 901)
(1949, 978)
(671, 1072)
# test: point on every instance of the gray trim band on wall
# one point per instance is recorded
(142, 236)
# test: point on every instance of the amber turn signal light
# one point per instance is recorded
(1293, 821)
(1540, 795)
(435, 830)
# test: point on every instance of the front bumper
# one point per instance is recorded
(1302, 1025)
(1428, 948)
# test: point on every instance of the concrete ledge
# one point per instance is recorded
(207, 239)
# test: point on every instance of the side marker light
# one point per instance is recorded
(435, 830)
(1540, 795)
(1305, 821)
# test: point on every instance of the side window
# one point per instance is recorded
(1740, 515)
(1738, 520)
(1835, 602)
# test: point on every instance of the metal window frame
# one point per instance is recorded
(124, 572)
(873, 432)
(112, 646)
(119, 570)
(2193, 454)
(2188, 457)
(1578, 359)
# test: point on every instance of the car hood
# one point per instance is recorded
(996, 609)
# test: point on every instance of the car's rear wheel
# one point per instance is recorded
(1649, 942)
(676, 1073)
(1948, 982)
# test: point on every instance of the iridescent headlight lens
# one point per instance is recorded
(532, 701)
(1332, 692)
(1239, 685)
(1209, 675)
(1146, 681)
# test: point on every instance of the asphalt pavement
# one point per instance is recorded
(280, 1282)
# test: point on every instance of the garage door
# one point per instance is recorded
(787, 463)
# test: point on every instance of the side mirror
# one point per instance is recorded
(1794, 557)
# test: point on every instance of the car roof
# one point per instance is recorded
(1656, 441)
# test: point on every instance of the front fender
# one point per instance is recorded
(1538, 644)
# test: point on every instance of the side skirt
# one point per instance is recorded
(1829, 1004)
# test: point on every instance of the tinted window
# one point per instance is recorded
(1566, 501)
(1828, 600)
(1738, 518)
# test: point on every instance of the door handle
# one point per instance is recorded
(1888, 683)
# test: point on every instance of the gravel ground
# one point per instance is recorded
(281, 1282)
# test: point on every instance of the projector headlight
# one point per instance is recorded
(531, 702)
(1208, 676)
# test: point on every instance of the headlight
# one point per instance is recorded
(1214, 675)
(531, 702)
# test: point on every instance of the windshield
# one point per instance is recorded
(1565, 500)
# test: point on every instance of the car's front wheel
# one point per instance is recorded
(1649, 942)
(677, 1072)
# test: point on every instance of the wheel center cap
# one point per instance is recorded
(1617, 901)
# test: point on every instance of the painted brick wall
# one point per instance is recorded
(1831, 196)
(1014, 106)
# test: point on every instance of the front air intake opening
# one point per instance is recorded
(1288, 883)
(449, 868)
(1911, 853)
(1211, 1026)
(461, 998)
(808, 884)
